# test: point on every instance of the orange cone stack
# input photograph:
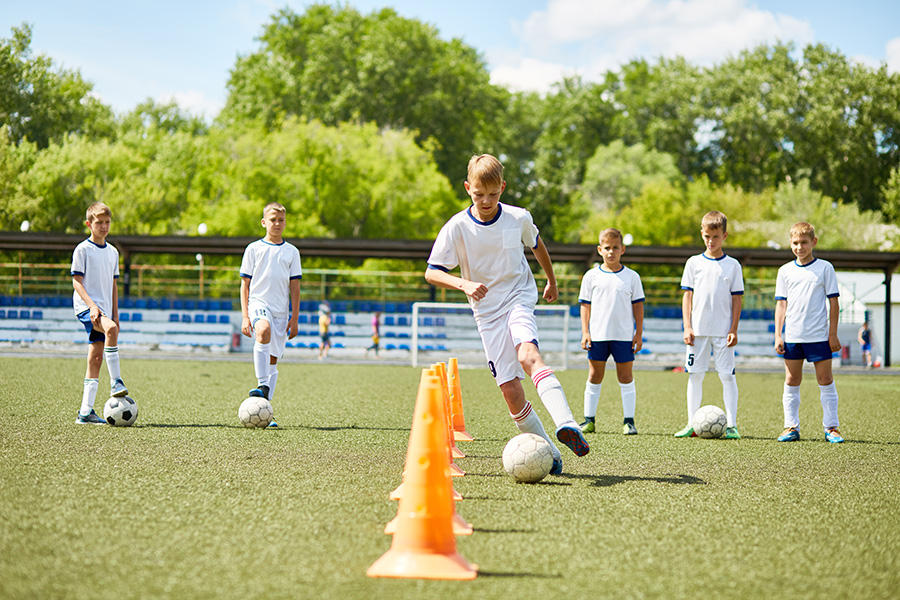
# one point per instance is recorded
(424, 546)
(441, 370)
(458, 419)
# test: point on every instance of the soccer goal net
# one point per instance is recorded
(442, 329)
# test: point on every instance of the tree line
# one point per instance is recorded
(362, 124)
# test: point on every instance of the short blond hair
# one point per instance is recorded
(485, 169)
(714, 220)
(95, 210)
(803, 228)
(611, 232)
(273, 206)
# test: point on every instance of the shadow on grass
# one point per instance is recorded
(529, 575)
(179, 425)
(482, 530)
(347, 428)
(611, 480)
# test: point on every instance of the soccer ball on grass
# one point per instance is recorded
(709, 422)
(256, 412)
(120, 412)
(528, 458)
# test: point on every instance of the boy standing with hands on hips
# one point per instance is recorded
(487, 242)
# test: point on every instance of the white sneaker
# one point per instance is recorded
(118, 389)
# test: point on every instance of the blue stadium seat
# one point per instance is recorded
(30, 301)
(771, 327)
(304, 319)
(224, 319)
(5, 301)
(314, 319)
(402, 321)
(124, 316)
(390, 347)
(340, 320)
(178, 304)
(141, 303)
(24, 314)
(185, 318)
(403, 347)
(137, 316)
(299, 345)
(17, 301)
(198, 318)
(190, 305)
(338, 345)
(202, 304)
(390, 307)
(211, 318)
(165, 303)
(389, 320)
(769, 315)
(2, 313)
(440, 321)
(55, 302)
(390, 334)
(37, 315)
(403, 334)
(428, 321)
(173, 317)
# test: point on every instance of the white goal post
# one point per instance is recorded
(445, 329)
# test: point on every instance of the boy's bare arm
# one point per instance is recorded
(638, 340)
(834, 312)
(78, 284)
(585, 326)
(115, 302)
(293, 328)
(687, 305)
(551, 291)
(780, 309)
(245, 310)
(737, 302)
(440, 278)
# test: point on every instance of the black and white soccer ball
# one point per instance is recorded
(121, 411)
(709, 422)
(256, 412)
(528, 458)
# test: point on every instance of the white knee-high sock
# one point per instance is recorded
(553, 397)
(829, 397)
(730, 396)
(791, 401)
(111, 356)
(629, 399)
(261, 362)
(273, 379)
(89, 395)
(591, 398)
(694, 393)
(529, 422)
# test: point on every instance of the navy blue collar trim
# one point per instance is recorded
(492, 221)
(807, 264)
(602, 270)
(263, 240)
(703, 254)
(96, 244)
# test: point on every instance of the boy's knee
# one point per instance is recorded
(726, 377)
(112, 331)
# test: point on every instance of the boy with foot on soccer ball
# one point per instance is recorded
(612, 322)
(806, 307)
(270, 288)
(95, 268)
(713, 285)
(486, 241)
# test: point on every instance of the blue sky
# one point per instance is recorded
(135, 49)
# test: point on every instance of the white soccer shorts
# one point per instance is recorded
(258, 310)
(696, 359)
(501, 337)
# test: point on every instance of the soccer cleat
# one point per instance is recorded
(118, 389)
(572, 437)
(556, 469)
(686, 432)
(91, 418)
(260, 392)
(731, 433)
(629, 429)
(272, 424)
(587, 427)
(833, 436)
(790, 435)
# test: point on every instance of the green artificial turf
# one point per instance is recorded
(189, 504)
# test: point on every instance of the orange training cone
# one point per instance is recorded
(458, 419)
(424, 546)
(442, 373)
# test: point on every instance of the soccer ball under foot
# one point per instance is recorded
(256, 412)
(528, 458)
(120, 412)
(709, 422)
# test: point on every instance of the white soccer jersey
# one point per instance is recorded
(612, 296)
(806, 289)
(99, 267)
(271, 267)
(713, 282)
(492, 253)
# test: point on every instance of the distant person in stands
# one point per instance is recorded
(376, 333)
(95, 268)
(324, 329)
(487, 241)
(270, 292)
(713, 285)
(612, 323)
(865, 343)
(807, 308)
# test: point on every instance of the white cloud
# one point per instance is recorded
(530, 74)
(608, 33)
(892, 55)
(195, 102)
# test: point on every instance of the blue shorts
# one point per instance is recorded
(93, 334)
(812, 351)
(622, 352)
(867, 347)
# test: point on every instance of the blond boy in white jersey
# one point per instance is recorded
(270, 278)
(713, 286)
(804, 288)
(95, 268)
(612, 323)
(487, 242)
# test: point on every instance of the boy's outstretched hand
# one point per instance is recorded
(475, 290)
(551, 292)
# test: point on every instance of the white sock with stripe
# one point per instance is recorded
(111, 356)
(553, 397)
(261, 363)
(529, 422)
(591, 398)
(89, 396)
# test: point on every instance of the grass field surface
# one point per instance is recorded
(189, 504)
